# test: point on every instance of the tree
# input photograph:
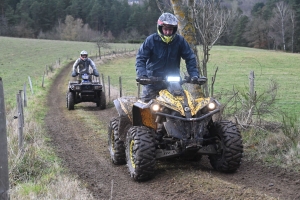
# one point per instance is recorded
(101, 42)
(186, 27)
(72, 28)
(257, 32)
(279, 21)
(293, 25)
(239, 30)
(210, 22)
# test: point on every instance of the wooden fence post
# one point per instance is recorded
(108, 82)
(46, 69)
(25, 95)
(251, 84)
(251, 94)
(4, 180)
(20, 122)
(30, 84)
(22, 109)
(120, 83)
(43, 79)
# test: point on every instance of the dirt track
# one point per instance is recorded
(86, 155)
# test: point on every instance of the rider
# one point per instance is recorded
(82, 65)
(160, 55)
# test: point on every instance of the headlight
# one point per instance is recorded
(211, 106)
(155, 107)
(97, 87)
(85, 76)
(77, 87)
(173, 78)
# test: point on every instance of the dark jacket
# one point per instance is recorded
(156, 58)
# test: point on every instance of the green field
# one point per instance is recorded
(20, 58)
(235, 64)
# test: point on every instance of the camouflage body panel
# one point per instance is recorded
(124, 106)
(175, 102)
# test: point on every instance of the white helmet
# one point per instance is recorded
(83, 55)
(167, 19)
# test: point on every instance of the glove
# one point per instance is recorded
(96, 73)
(202, 80)
(196, 80)
(74, 73)
(144, 80)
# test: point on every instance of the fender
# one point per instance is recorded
(123, 106)
(142, 115)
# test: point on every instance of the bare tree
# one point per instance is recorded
(257, 33)
(293, 24)
(210, 21)
(101, 42)
(279, 21)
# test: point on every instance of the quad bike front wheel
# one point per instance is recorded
(115, 145)
(230, 146)
(102, 101)
(140, 153)
(70, 101)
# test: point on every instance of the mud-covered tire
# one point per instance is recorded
(102, 101)
(140, 153)
(230, 145)
(115, 145)
(70, 100)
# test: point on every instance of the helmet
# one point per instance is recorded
(168, 20)
(83, 55)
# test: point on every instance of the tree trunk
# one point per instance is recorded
(186, 28)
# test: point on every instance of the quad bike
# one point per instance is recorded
(85, 90)
(173, 125)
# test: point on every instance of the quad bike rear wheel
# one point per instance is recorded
(115, 145)
(70, 101)
(140, 153)
(230, 146)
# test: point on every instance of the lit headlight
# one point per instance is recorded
(211, 106)
(155, 107)
(173, 78)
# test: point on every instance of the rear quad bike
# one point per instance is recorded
(175, 124)
(85, 90)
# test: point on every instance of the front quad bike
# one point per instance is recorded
(85, 90)
(175, 124)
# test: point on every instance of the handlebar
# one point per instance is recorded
(155, 80)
